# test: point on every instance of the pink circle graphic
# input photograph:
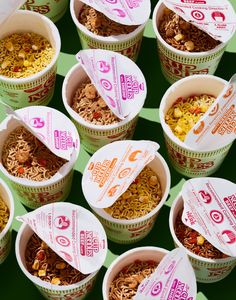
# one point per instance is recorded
(198, 15)
(119, 12)
(216, 216)
(106, 84)
(63, 240)
(62, 222)
(156, 289)
(37, 122)
(231, 237)
(67, 256)
(103, 66)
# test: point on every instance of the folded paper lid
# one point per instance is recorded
(7, 9)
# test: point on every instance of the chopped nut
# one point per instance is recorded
(177, 113)
(22, 156)
(101, 102)
(35, 265)
(9, 46)
(178, 129)
(170, 32)
(153, 180)
(5, 64)
(56, 281)
(200, 240)
(189, 45)
(42, 273)
(35, 48)
(21, 54)
(90, 92)
(60, 266)
(179, 37)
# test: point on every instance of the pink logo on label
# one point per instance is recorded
(63, 240)
(230, 235)
(89, 243)
(67, 256)
(106, 84)
(157, 288)
(119, 12)
(194, 1)
(218, 16)
(37, 122)
(216, 216)
(103, 66)
(170, 267)
(112, 102)
(62, 222)
(198, 15)
(206, 197)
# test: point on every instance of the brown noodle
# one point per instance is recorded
(4, 214)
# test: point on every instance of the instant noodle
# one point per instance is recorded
(43, 262)
(23, 155)
(91, 107)
(142, 196)
(24, 54)
(4, 214)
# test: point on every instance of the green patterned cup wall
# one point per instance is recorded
(127, 44)
(188, 162)
(130, 231)
(206, 270)
(37, 89)
(5, 234)
(77, 291)
(53, 9)
(176, 64)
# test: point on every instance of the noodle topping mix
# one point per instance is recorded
(4, 214)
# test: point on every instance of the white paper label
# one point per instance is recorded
(51, 127)
(173, 279)
(128, 12)
(71, 231)
(8, 7)
(112, 169)
(117, 79)
(210, 209)
(217, 127)
(215, 17)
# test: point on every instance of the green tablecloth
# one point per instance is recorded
(13, 283)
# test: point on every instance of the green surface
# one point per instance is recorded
(14, 285)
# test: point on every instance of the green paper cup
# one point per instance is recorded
(94, 136)
(126, 44)
(52, 9)
(76, 291)
(133, 230)
(206, 270)
(37, 89)
(5, 234)
(127, 258)
(176, 64)
(191, 163)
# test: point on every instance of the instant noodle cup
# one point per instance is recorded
(52, 9)
(180, 56)
(207, 270)
(38, 88)
(122, 89)
(65, 218)
(46, 147)
(6, 218)
(133, 14)
(187, 161)
(108, 178)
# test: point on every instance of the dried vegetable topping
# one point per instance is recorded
(142, 196)
(43, 262)
(126, 282)
(183, 35)
(195, 242)
(24, 54)
(185, 113)
(99, 24)
(91, 107)
(4, 214)
(24, 156)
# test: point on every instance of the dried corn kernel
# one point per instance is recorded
(200, 240)
(203, 108)
(177, 113)
(179, 37)
(189, 45)
(56, 281)
(42, 273)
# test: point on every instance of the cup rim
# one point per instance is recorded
(109, 39)
(166, 128)
(127, 253)
(77, 118)
(106, 216)
(24, 14)
(179, 52)
(11, 208)
(175, 239)
(37, 280)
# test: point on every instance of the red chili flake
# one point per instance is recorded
(16, 69)
(197, 250)
(197, 110)
(40, 255)
(21, 170)
(192, 240)
(26, 50)
(136, 181)
(193, 234)
(97, 115)
(42, 162)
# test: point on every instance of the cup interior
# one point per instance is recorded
(141, 253)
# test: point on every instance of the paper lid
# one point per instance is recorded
(7, 8)
(216, 17)
(112, 169)
(71, 231)
(209, 208)
(117, 79)
(173, 278)
(127, 12)
(217, 127)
